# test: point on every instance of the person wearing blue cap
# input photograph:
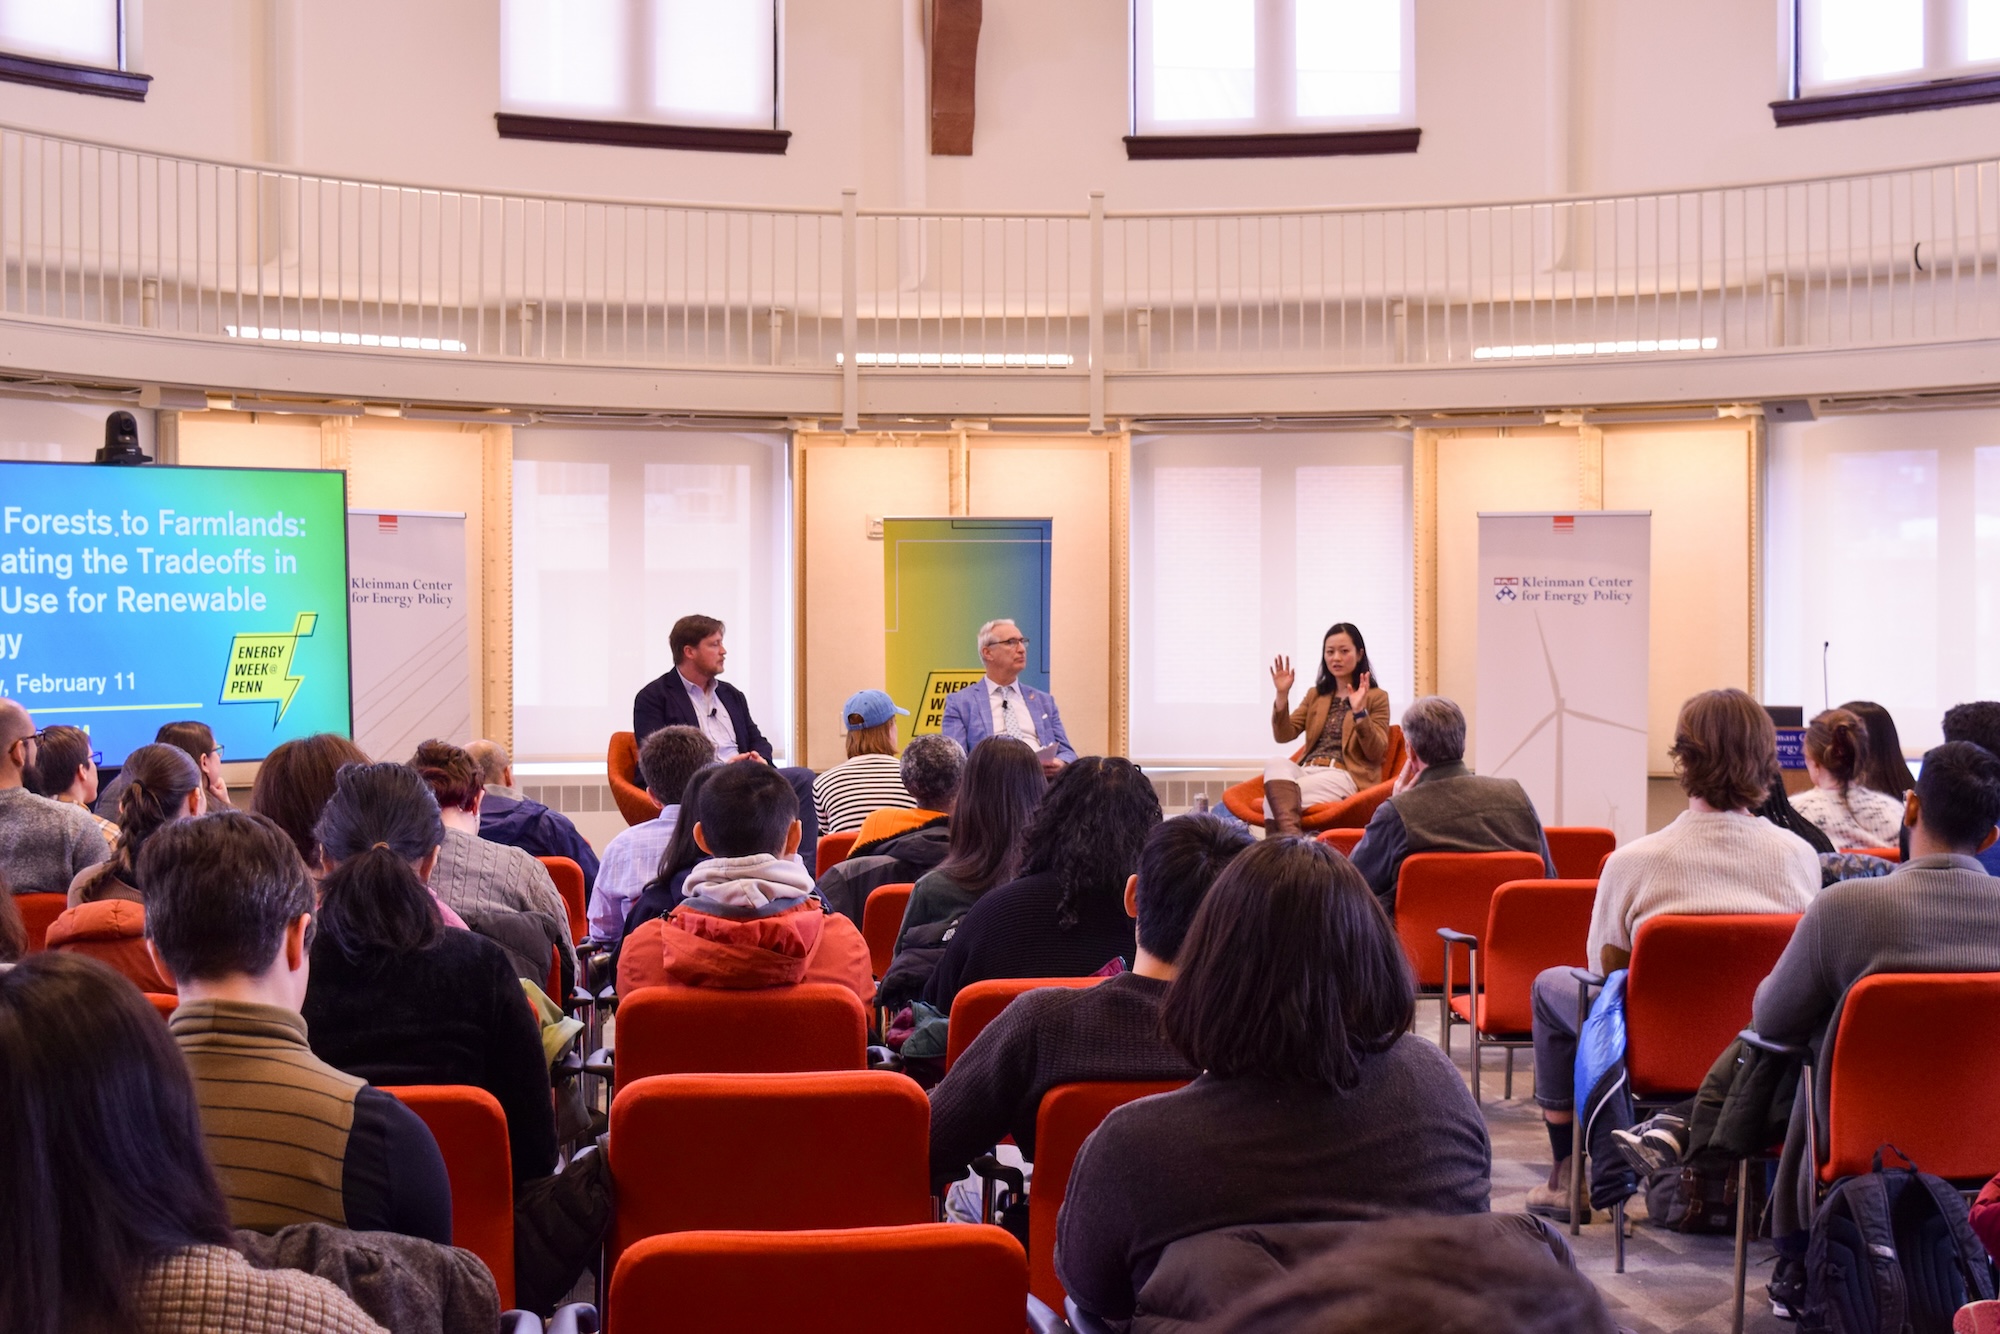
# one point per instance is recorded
(871, 777)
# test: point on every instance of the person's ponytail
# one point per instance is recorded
(159, 780)
(380, 821)
(1838, 742)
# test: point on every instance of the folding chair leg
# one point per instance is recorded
(1510, 1074)
(1476, 1099)
(1742, 1240)
(1618, 1232)
(1575, 1169)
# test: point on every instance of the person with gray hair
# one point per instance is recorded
(896, 845)
(508, 817)
(931, 768)
(1001, 704)
(44, 844)
(1439, 805)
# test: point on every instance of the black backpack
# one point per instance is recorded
(1892, 1252)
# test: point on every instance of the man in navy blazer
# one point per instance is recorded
(999, 703)
(694, 695)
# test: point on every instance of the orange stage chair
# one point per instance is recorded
(1069, 1112)
(1452, 890)
(1907, 1070)
(1530, 925)
(471, 1133)
(1886, 854)
(921, 1279)
(831, 850)
(569, 883)
(704, 1031)
(1343, 841)
(1246, 800)
(165, 1003)
(882, 921)
(39, 912)
(980, 1004)
(628, 789)
(1579, 850)
(1688, 991)
(777, 1153)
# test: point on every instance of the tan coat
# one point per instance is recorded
(1363, 742)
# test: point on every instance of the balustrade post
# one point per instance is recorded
(1097, 312)
(850, 371)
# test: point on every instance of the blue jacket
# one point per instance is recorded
(968, 717)
(536, 830)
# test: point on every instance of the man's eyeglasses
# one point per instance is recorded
(1018, 641)
(97, 757)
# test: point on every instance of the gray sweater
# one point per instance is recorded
(43, 843)
(1223, 1152)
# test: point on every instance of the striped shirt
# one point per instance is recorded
(477, 877)
(846, 793)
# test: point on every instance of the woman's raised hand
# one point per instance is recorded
(1282, 676)
(1357, 698)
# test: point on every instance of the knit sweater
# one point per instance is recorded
(296, 1141)
(43, 843)
(1056, 1035)
(1705, 862)
(1012, 932)
(1406, 1139)
(213, 1290)
(1860, 817)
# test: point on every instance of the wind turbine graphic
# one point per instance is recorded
(1558, 715)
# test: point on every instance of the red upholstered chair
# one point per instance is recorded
(1579, 850)
(704, 1031)
(981, 1003)
(1069, 1112)
(1688, 991)
(628, 788)
(1246, 800)
(777, 1153)
(882, 921)
(832, 850)
(38, 911)
(164, 1003)
(471, 1133)
(1343, 841)
(1886, 854)
(1453, 890)
(1530, 925)
(569, 883)
(923, 1279)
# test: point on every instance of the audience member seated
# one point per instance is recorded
(1423, 1275)
(1886, 770)
(13, 930)
(106, 917)
(667, 759)
(1316, 1102)
(502, 892)
(749, 919)
(869, 779)
(198, 742)
(228, 912)
(66, 771)
(1717, 856)
(1979, 723)
(43, 843)
(898, 847)
(1065, 915)
(507, 816)
(114, 1219)
(664, 892)
(1109, 1031)
(1851, 814)
(1439, 805)
(395, 998)
(1778, 809)
(1939, 912)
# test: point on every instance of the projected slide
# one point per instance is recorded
(130, 597)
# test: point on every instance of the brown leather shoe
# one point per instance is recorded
(1283, 809)
(1552, 1200)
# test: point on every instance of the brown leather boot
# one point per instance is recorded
(1283, 809)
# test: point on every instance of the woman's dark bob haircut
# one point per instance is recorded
(1291, 971)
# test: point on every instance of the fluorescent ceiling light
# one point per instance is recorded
(1629, 346)
(343, 339)
(1031, 360)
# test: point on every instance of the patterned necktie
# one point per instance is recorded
(1016, 720)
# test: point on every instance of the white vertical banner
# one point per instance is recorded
(1563, 622)
(407, 601)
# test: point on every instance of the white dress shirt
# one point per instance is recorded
(1007, 704)
(713, 718)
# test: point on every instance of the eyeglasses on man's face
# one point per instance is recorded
(1018, 641)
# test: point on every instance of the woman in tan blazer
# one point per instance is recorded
(1345, 721)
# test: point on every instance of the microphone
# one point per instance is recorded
(1825, 690)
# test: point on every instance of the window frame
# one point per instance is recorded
(554, 125)
(1941, 82)
(1275, 129)
(70, 77)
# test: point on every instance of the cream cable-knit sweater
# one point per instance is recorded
(1858, 818)
(1704, 862)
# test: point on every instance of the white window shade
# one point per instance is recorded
(1882, 565)
(715, 62)
(563, 55)
(678, 62)
(1846, 45)
(77, 32)
(1245, 547)
(617, 534)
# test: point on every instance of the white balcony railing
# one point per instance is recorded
(98, 235)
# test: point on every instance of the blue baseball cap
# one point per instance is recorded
(869, 708)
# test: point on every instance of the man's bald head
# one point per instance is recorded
(16, 726)
(493, 761)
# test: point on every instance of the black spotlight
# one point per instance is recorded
(121, 442)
